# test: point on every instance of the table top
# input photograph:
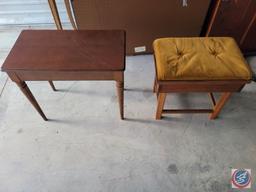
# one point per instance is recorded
(68, 50)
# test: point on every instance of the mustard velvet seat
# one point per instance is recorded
(206, 58)
(205, 65)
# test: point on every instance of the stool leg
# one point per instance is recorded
(220, 104)
(155, 84)
(212, 99)
(160, 105)
(120, 94)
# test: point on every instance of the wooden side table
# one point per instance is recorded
(51, 55)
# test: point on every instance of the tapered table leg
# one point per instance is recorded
(24, 88)
(52, 86)
(120, 94)
(220, 104)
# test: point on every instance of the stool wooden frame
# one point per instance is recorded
(226, 87)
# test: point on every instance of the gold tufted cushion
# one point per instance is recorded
(206, 58)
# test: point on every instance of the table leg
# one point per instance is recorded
(52, 86)
(120, 94)
(24, 88)
(220, 104)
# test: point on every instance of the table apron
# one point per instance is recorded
(65, 75)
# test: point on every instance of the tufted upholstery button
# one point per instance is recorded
(180, 53)
(214, 53)
(217, 58)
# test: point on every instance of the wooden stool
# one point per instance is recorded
(207, 64)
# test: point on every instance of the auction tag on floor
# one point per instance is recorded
(241, 178)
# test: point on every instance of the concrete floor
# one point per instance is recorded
(86, 147)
